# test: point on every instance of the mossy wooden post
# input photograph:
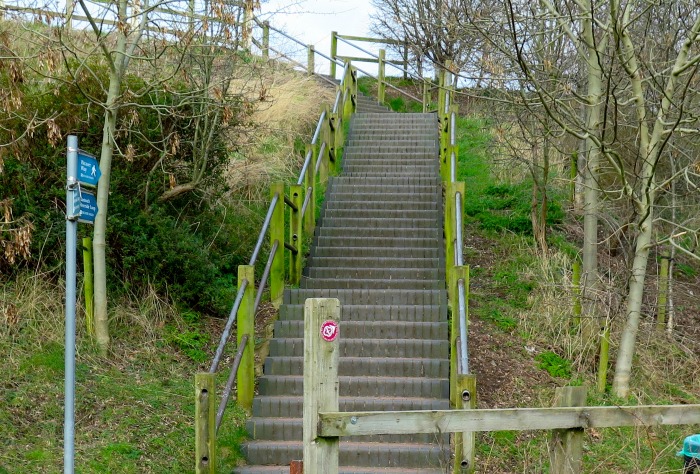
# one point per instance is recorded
(381, 73)
(277, 234)
(604, 356)
(266, 39)
(321, 356)
(576, 287)
(458, 273)
(353, 89)
(426, 95)
(310, 63)
(662, 300)
(566, 446)
(205, 423)
(441, 92)
(296, 237)
(334, 52)
(245, 323)
(87, 286)
(465, 443)
(449, 229)
(333, 133)
(310, 182)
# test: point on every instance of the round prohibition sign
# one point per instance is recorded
(330, 330)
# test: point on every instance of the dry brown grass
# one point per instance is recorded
(286, 109)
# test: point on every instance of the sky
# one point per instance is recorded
(312, 21)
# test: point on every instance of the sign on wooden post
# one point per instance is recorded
(205, 423)
(321, 355)
(566, 446)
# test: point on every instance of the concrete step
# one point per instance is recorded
(342, 470)
(401, 348)
(348, 251)
(383, 214)
(377, 204)
(358, 366)
(379, 232)
(358, 187)
(375, 313)
(387, 180)
(350, 283)
(384, 197)
(290, 429)
(411, 242)
(396, 170)
(367, 262)
(292, 407)
(407, 366)
(374, 273)
(375, 455)
(418, 387)
(397, 226)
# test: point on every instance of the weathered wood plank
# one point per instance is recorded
(510, 419)
(369, 40)
(321, 358)
(566, 446)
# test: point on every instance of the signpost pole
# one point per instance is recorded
(72, 187)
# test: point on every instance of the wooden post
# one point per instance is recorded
(334, 51)
(441, 92)
(310, 182)
(576, 287)
(426, 95)
(405, 59)
(88, 286)
(381, 75)
(457, 273)
(245, 379)
(604, 356)
(310, 64)
(266, 39)
(321, 355)
(566, 446)
(465, 443)
(333, 139)
(296, 237)
(205, 423)
(662, 300)
(277, 234)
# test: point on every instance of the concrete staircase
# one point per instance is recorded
(378, 248)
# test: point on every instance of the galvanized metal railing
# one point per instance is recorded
(283, 233)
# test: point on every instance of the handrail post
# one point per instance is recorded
(566, 446)
(441, 92)
(277, 234)
(333, 138)
(321, 357)
(245, 323)
(296, 236)
(205, 423)
(381, 73)
(426, 95)
(334, 52)
(266, 39)
(310, 182)
(310, 65)
(458, 273)
(465, 442)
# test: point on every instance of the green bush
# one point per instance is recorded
(554, 364)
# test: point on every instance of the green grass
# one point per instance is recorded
(134, 409)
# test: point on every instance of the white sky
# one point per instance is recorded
(312, 21)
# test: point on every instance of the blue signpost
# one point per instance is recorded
(88, 169)
(81, 206)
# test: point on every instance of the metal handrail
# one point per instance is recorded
(318, 128)
(460, 242)
(305, 167)
(263, 231)
(229, 383)
(320, 154)
(391, 85)
(337, 99)
(265, 275)
(307, 199)
(464, 356)
(227, 329)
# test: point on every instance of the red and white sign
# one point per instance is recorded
(329, 330)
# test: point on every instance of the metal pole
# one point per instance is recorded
(72, 187)
(464, 354)
(460, 242)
